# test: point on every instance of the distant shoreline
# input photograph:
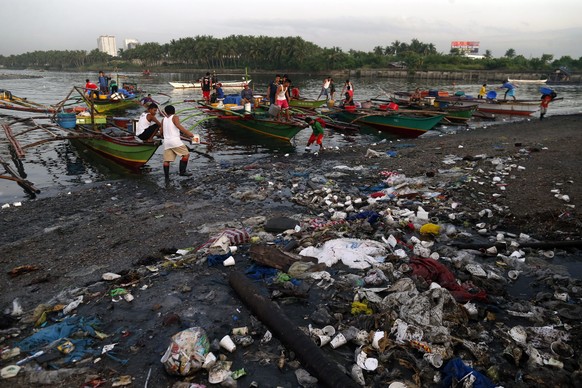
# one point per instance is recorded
(476, 76)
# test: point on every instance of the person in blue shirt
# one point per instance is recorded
(103, 83)
(272, 89)
(219, 91)
(509, 90)
(246, 95)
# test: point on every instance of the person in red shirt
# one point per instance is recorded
(546, 99)
(89, 87)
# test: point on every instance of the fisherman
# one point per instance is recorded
(173, 146)
(316, 135)
(509, 90)
(546, 99)
(148, 125)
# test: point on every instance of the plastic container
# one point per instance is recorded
(67, 120)
(393, 106)
(274, 110)
(544, 90)
(491, 94)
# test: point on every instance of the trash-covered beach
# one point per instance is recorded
(441, 261)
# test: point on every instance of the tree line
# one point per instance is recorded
(280, 54)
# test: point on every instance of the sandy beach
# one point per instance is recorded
(516, 179)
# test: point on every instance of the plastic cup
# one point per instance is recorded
(240, 331)
(434, 359)
(228, 262)
(209, 361)
(371, 363)
(377, 337)
(322, 340)
(338, 341)
(227, 343)
(328, 330)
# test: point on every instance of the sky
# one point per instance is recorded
(530, 27)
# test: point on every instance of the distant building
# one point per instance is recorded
(475, 56)
(131, 43)
(106, 44)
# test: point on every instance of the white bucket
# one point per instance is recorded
(248, 107)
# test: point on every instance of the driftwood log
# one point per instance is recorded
(312, 358)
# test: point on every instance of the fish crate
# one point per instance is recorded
(87, 119)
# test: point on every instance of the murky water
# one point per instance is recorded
(55, 166)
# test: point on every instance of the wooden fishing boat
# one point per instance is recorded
(506, 107)
(528, 81)
(263, 124)
(407, 125)
(11, 102)
(259, 121)
(111, 103)
(197, 85)
(305, 103)
(428, 106)
(117, 145)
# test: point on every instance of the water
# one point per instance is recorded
(57, 166)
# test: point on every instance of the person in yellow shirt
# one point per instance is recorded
(482, 92)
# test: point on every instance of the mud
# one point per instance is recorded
(123, 226)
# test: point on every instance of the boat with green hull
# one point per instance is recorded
(407, 125)
(117, 145)
(263, 124)
(259, 121)
(305, 103)
(456, 113)
(111, 104)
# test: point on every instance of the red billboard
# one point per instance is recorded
(469, 47)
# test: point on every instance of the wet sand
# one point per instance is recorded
(519, 173)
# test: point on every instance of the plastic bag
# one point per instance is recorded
(186, 352)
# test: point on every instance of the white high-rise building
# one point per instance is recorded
(131, 43)
(106, 44)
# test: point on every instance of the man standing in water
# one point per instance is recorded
(173, 146)
(206, 85)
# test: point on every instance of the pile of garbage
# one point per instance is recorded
(392, 284)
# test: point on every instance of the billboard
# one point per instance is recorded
(466, 47)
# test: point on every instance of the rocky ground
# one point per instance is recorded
(484, 187)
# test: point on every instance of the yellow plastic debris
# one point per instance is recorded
(430, 229)
(361, 308)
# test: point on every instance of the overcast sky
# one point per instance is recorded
(530, 27)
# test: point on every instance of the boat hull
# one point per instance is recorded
(529, 81)
(275, 129)
(197, 85)
(509, 108)
(506, 107)
(397, 124)
(123, 150)
(310, 104)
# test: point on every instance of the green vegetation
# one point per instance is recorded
(281, 53)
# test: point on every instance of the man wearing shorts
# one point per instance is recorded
(206, 85)
(173, 146)
(282, 98)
